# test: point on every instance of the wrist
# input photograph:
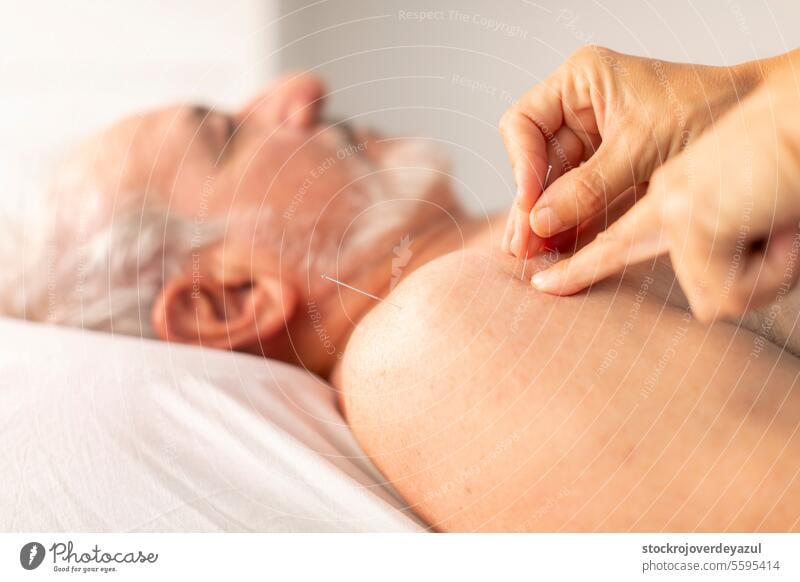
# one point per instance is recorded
(751, 74)
(756, 72)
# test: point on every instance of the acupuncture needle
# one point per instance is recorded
(544, 185)
(370, 295)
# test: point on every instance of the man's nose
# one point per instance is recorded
(295, 100)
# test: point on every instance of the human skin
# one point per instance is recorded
(275, 166)
(717, 145)
(492, 406)
(508, 422)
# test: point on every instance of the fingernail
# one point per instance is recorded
(546, 222)
(539, 280)
(514, 241)
(543, 281)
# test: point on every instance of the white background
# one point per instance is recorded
(356, 44)
(68, 68)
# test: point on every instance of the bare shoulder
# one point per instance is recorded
(471, 304)
(459, 296)
(482, 400)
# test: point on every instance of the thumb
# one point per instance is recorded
(587, 190)
(637, 236)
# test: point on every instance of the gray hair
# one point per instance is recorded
(76, 262)
(104, 279)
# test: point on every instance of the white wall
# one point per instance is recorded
(68, 67)
(452, 77)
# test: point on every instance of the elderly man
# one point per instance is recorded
(486, 404)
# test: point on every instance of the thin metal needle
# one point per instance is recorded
(370, 295)
(544, 185)
(524, 264)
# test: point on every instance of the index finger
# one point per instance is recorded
(526, 128)
(527, 150)
(637, 236)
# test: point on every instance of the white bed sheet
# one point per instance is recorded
(113, 433)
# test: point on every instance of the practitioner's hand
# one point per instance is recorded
(726, 210)
(622, 117)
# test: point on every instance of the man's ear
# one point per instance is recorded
(230, 312)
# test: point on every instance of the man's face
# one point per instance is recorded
(275, 155)
(275, 160)
(217, 162)
(295, 194)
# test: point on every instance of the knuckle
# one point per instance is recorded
(584, 52)
(611, 236)
(591, 197)
(675, 209)
(507, 121)
(600, 50)
(590, 53)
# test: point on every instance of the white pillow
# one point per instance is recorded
(113, 433)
